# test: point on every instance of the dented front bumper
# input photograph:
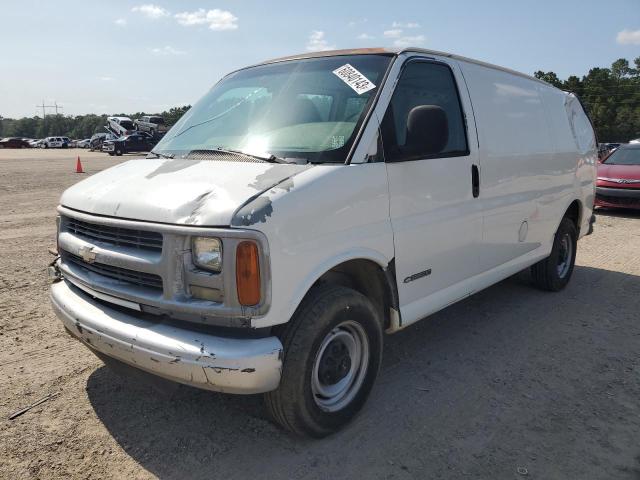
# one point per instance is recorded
(222, 364)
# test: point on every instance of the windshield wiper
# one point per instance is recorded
(161, 155)
(265, 158)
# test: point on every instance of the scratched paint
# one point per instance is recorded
(176, 191)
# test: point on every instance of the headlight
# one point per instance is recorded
(207, 253)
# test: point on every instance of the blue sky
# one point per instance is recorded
(110, 56)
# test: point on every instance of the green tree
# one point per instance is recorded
(549, 77)
(620, 68)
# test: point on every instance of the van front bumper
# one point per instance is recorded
(202, 360)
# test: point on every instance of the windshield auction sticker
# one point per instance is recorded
(354, 79)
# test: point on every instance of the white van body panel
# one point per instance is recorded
(533, 166)
(575, 150)
(321, 218)
(534, 149)
(316, 217)
(516, 156)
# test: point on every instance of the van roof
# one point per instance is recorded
(395, 52)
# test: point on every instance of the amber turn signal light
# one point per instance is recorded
(248, 273)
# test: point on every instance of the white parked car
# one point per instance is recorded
(306, 206)
(86, 143)
(636, 140)
(53, 142)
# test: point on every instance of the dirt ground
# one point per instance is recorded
(511, 383)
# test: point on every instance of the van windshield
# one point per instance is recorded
(291, 109)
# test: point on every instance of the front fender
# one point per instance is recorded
(324, 216)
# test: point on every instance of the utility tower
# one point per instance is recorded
(43, 107)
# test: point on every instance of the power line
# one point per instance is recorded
(43, 106)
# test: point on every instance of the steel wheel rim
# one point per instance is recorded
(565, 255)
(349, 337)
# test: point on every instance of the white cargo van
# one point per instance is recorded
(309, 204)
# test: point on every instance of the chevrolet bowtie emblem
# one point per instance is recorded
(87, 254)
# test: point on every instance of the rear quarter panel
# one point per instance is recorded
(575, 152)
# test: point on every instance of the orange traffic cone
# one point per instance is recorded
(79, 166)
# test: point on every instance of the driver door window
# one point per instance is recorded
(439, 130)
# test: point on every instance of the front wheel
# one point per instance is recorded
(118, 152)
(554, 272)
(332, 354)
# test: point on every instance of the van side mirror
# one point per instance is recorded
(427, 130)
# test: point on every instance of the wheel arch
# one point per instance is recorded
(574, 211)
(369, 275)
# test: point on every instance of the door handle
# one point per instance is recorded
(475, 181)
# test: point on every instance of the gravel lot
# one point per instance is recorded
(511, 383)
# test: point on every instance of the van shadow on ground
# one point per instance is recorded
(509, 377)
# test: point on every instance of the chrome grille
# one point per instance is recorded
(132, 277)
(124, 237)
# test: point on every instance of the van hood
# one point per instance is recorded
(176, 191)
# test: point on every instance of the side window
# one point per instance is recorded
(424, 118)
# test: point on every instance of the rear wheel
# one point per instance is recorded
(554, 272)
(332, 353)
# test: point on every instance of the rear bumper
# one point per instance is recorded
(186, 356)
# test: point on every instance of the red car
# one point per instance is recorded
(618, 183)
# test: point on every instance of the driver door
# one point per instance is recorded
(432, 166)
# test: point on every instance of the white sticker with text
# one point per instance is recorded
(354, 79)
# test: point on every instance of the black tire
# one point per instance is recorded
(327, 310)
(553, 274)
(111, 154)
(119, 152)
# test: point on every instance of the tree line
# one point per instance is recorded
(78, 126)
(611, 96)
